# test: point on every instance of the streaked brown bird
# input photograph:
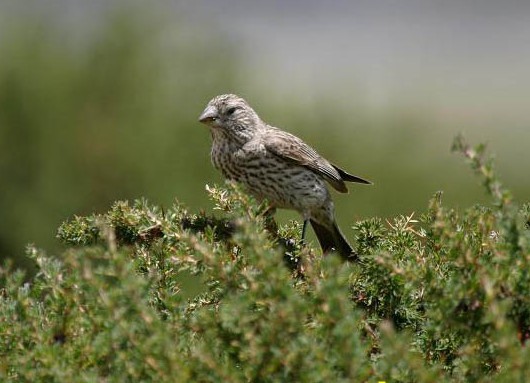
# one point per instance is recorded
(277, 166)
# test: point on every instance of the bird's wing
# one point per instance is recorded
(292, 148)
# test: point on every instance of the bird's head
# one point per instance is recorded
(231, 115)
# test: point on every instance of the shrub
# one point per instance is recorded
(145, 294)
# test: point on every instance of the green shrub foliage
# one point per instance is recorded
(143, 294)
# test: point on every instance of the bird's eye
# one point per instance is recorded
(231, 111)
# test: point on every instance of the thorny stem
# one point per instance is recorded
(483, 165)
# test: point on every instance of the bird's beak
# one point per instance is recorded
(209, 115)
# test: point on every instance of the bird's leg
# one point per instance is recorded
(270, 223)
(304, 228)
(270, 211)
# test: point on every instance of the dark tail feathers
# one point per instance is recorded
(333, 240)
(350, 177)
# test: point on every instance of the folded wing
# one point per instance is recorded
(292, 148)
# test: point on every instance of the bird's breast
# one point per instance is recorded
(224, 159)
(268, 177)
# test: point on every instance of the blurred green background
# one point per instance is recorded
(100, 103)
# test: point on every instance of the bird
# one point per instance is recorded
(279, 167)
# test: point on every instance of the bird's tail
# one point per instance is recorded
(333, 240)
